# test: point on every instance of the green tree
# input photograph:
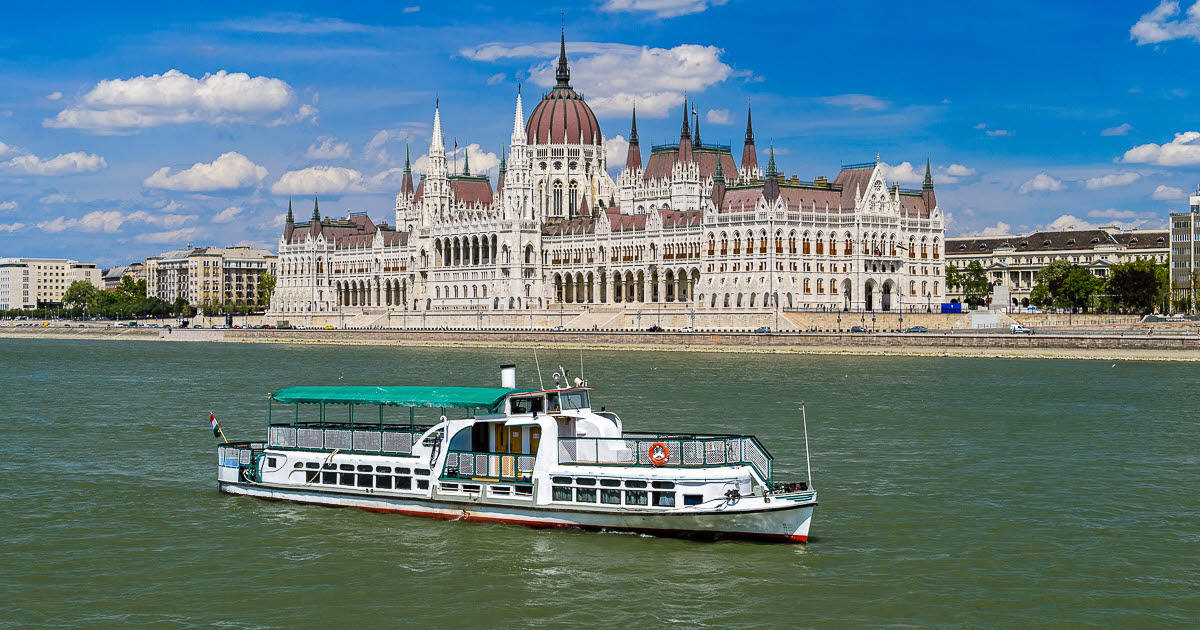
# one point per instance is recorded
(953, 277)
(1137, 285)
(266, 287)
(80, 294)
(1064, 284)
(974, 282)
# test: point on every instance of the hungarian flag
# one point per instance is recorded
(216, 426)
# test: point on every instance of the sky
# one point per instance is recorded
(129, 131)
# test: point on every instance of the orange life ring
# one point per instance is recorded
(659, 460)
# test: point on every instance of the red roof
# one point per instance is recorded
(562, 118)
(661, 163)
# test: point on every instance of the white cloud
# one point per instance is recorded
(1000, 229)
(110, 221)
(856, 102)
(376, 149)
(292, 24)
(1112, 213)
(1110, 217)
(11, 227)
(412, 9)
(718, 117)
(661, 8)
(8, 205)
(482, 162)
(1184, 150)
(616, 77)
(980, 126)
(56, 198)
(327, 148)
(1041, 183)
(230, 171)
(54, 96)
(227, 215)
(1168, 193)
(74, 162)
(496, 79)
(903, 173)
(319, 180)
(1112, 179)
(958, 170)
(996, 133)
(170, 236)
(1122, 129)
(1161, 25)
(616, 150)
(7, 148)
(126, 105)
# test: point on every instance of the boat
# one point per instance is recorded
(536, 457)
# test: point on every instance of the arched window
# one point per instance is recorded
(737, 243)
(832, 286)
(807, 289)
(558, 199)
(820, 285)
(912, 287)
(712, 246)
(573, 201)
(820, 251)
(806, 247)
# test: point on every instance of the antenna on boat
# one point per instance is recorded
(804, 423)
(539, 369)
(584, 380)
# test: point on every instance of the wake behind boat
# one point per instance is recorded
(542, 458)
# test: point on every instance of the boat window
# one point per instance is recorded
(526, 405)
(610, 496)
(403, 471)
(525, 490)
(635, 483)
(461, 440)
(366, 481)
(346, 479)
(271, 462)
(635, 497)
(664, 499)
(585, 495)
(574, 399)
(562, 480)
(330, 466)
(346, 467)
(404, 483)
(312, 465)
(383, 481)
(362, 468)
(448, 487)
(298, 465)
(552, 402)
(383, 469)
(585, 481)
(312, 476)
(433, 438)
(562, 493)
(422, 471)
(329, 477)
(422, 484)
(663, 485)
(611, 483)
(470, 488)
(693, 499)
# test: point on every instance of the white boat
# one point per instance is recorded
(542, 458)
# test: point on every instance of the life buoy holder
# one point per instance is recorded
(659, 453)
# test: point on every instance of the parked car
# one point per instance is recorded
(655, 328)
(763, 329)
(917, 329)
(558, 328)
(687, 329)
(858, 329)
(330, 327)
(197, 326)
(1019, 329)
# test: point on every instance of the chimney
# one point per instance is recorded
(508, 376)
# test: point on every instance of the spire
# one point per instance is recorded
(685, 137)
(563, 73)
(683, 131)
(633, 156)
(771, 185)
(466, 161)
(316, 217)
(503, 169)
(718, 189)
(437, 144)
(518, 132)
(406, 183)
(927, 190)
(696, 117)
(407, 163)
(749, 155)
(771, 172)
(928, 176)
(290, 219)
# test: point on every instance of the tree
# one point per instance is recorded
(1137, 285)
(974, 283)
(80, 294)
(266, 287)
(1064, 284)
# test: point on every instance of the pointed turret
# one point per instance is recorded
(406, 184)
(437, 144)
(500, 177)
(314, 224)
(518, 132)
(685, 137)
(466, 161)
(291, 219)
(927, 189)
(316, 217)
(289, 224)
(771, 185)
(718, 189)
(563, 73)
(696, 119)
(749, 155)
(633, 158)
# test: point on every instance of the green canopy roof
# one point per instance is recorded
(404, 396)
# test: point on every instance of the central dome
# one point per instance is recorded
(563, 117)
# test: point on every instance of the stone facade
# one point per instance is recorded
(38, 282)
(1185, 252)
(690, 227)
(208, 275)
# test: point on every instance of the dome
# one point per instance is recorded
(563, 117)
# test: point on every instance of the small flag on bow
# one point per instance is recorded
(216, 426)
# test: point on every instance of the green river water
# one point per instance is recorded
(953, 492)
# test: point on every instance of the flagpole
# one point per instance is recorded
(222, 431)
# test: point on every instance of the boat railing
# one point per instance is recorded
(395, 440)
(483, 466)
(682, 451)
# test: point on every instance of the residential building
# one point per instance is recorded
(208, 275)
(1185, 252)
(690, 226)
(41, 282)
(114, 276)
(1013, 261)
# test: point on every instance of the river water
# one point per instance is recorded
(953, 492)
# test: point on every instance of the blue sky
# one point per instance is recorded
(126, 132)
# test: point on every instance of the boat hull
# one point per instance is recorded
(785, 521)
